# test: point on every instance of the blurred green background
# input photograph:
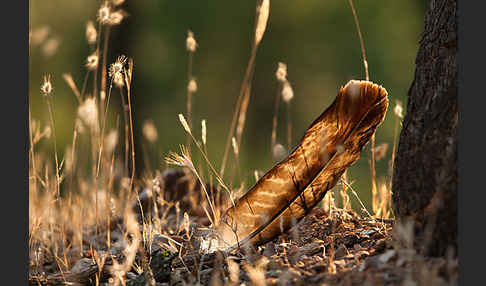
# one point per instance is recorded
(316, 39)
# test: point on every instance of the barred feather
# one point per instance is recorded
(295, 185)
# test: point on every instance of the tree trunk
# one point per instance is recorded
(425, 175)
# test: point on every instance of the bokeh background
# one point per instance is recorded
(316, 39)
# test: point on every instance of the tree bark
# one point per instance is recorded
(425, 175)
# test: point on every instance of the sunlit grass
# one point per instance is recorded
(90, 191)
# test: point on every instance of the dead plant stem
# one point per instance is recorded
(103, 71)
(131, 130)
(51, 116)
(189, 100)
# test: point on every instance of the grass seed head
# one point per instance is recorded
(50, 47)
(91, 33)
(278, 152)
(47, 132)
(118, 79)
(39, 35)
(183, 160)
(46, 86)
(104, 13)
(183, 121)
(92, 61)
(398, 109)
(263, 11)
(111, 140)
(192, 86)
(149, 131)
(203, 131)
(102, 95)
(117, 66)
(380, 151)
(116, 17)
(281, 73)
(117, 2)
(191, 43)
(287, 92)
(88, 112)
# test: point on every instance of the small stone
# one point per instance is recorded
(341, 251)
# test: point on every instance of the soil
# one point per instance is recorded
(345, 250)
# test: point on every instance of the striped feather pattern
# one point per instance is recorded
(287, 192)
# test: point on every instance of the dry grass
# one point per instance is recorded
(85, 211)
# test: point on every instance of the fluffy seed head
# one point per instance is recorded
(117, 66)
(117, 2)
(88, 112)
(399, 109)
(287, 92)
(192, 86)
(116, 17)
(278, 152)
(380, 151)
(104, 13)
(111, 141)
(50, 47)
(39, 35)
(91, 33)
(46, 86)
(281, 72)
(183, 160)
(118, 79)
(47, 132)
(191, 43)
(92, 61)
(149, 131)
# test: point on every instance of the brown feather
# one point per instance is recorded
(287, 192)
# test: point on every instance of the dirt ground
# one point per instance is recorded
(345, 250)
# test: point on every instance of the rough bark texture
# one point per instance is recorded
(425, 176)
